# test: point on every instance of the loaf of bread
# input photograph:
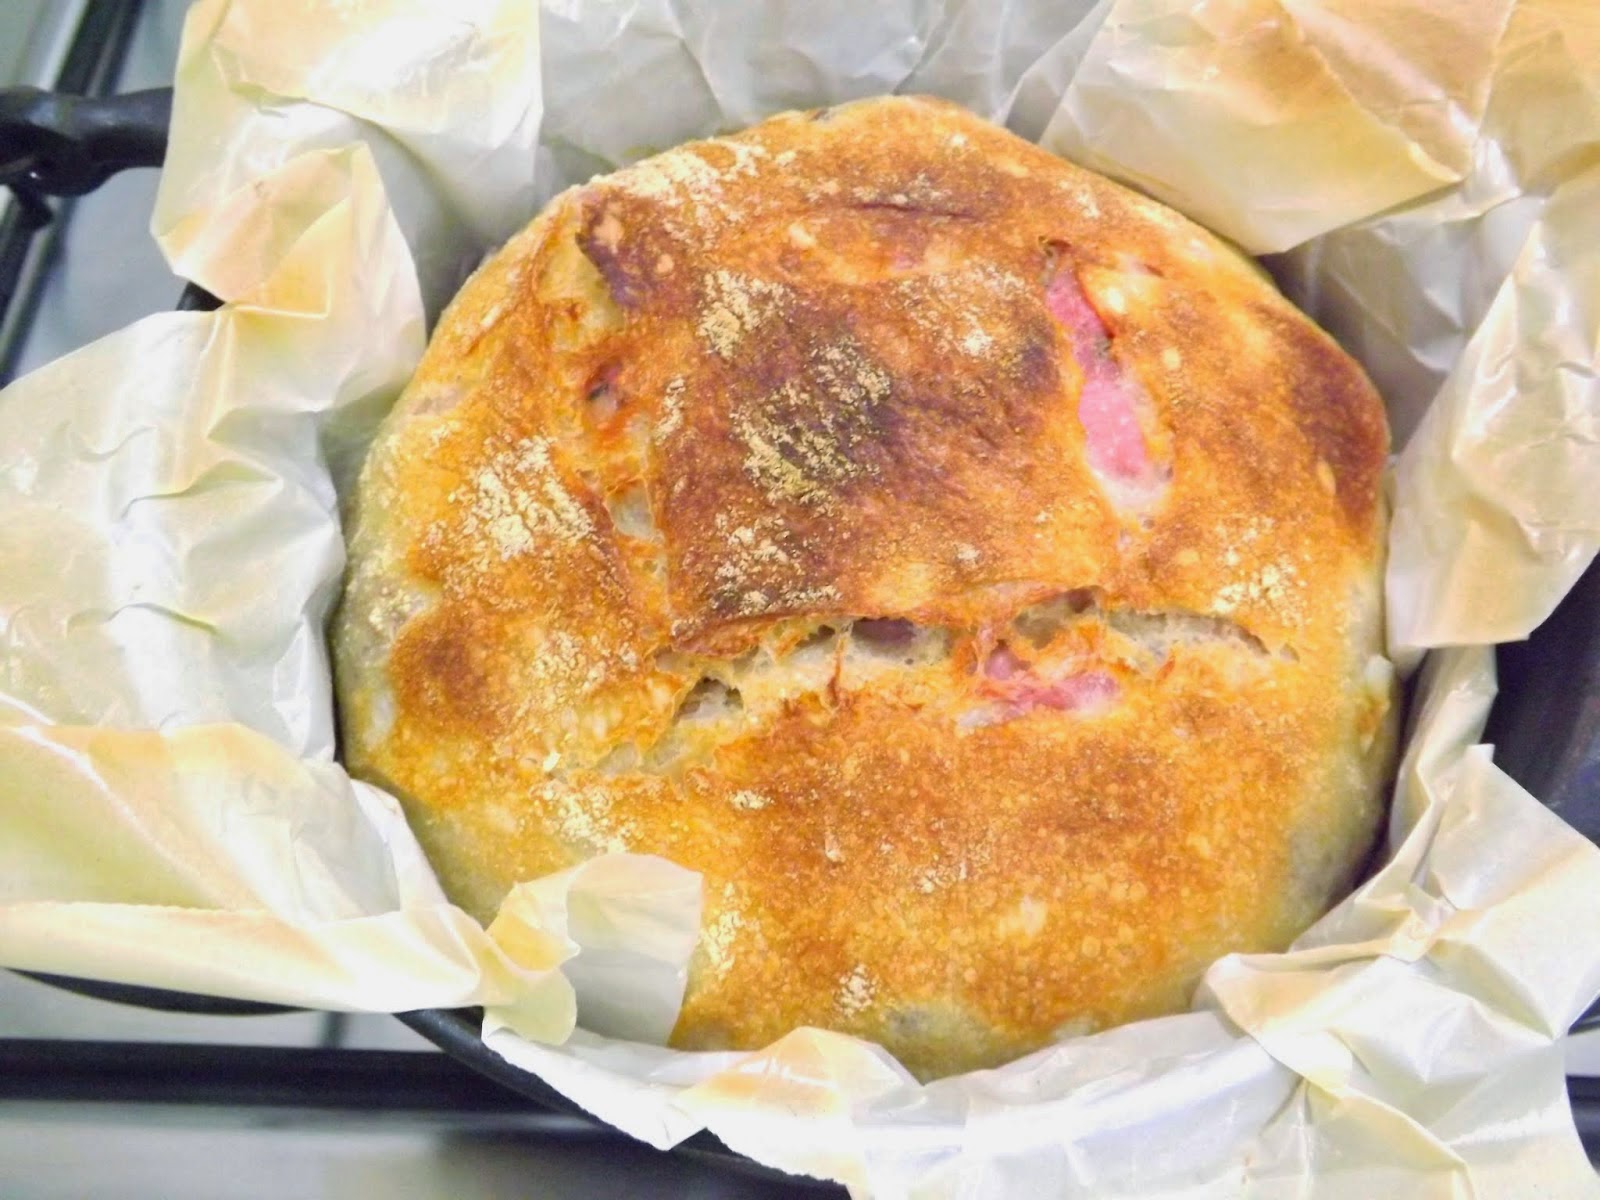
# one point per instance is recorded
(970, 567)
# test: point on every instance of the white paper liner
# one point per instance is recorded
(170, 813)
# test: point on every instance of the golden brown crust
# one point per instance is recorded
(624, 556)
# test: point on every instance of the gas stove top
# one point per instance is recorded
(107, 1099)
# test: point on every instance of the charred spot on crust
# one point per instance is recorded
(811, 410)
(1035, 368)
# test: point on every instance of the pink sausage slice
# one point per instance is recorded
(1013, 689)
(1109, 404)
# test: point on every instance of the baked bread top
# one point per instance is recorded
(970, 566)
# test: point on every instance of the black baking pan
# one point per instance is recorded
(1545, 723)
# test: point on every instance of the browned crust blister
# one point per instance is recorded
(717, 486)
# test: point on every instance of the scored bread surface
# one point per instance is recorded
(968, 566)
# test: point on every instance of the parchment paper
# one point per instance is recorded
(170, 811)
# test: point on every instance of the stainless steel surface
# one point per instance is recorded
(17, 20)
(57, 1152)
(35, 1010)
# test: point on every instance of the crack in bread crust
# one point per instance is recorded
(817, 658)
(704, 455)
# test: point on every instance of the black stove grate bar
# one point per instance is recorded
(59, 144)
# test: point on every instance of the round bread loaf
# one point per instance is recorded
(970, 567)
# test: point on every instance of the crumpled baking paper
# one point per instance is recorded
(1419, 174)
